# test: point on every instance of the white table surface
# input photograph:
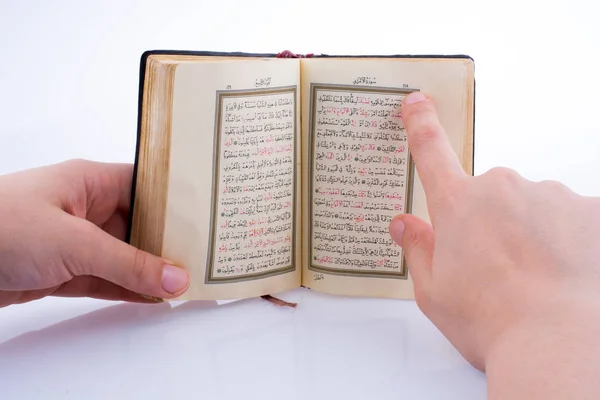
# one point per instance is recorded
(68, 88)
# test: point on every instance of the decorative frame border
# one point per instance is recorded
(314, 88)
(221, 94)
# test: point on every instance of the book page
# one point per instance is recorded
(359, 173)
(234, 184)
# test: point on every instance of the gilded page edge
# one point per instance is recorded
(149, 210)
(468, 155)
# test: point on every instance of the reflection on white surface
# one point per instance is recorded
(328, 347)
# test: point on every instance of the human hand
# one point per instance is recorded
(507, 267)
(61, 234)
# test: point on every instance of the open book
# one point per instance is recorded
(259, 174)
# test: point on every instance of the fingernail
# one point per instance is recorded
(414, 97)
(397, 230)
(174, 279)
(153, 298)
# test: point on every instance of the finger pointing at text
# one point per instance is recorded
(434, 158)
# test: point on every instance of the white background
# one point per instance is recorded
(68, 88)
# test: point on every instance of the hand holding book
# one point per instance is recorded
(62, 231)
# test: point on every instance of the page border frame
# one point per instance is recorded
(220, 95)
(314, 87)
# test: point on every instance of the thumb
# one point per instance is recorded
(416, 238)
(99, 254)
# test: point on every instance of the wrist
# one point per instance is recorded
(553, 355)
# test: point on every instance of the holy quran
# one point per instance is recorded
(260, 173)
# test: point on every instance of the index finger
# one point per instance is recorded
(435, 160)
